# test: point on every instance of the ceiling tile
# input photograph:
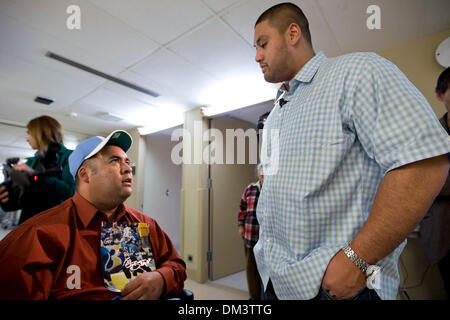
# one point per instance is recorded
(34, 80)
(242, 18)
(175, 96)
(87, 120)
(163, 101)
(106, 100)
(17, 109)
(219, 5)
(217, 50)
(133, 77)
(100, 32)
(12, 134)
(31, 45)
(162, 21)
(174, 72)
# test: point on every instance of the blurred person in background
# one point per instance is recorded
(435, 227)
(248, 229)
(50, 180)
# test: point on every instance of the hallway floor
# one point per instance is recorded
(232, 287)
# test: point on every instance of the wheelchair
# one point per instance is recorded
(186, 295)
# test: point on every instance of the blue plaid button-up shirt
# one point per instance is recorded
(347, 122)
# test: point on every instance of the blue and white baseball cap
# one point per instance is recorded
(91, 146)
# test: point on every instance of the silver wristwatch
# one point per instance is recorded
(360, 263)
(371, 271)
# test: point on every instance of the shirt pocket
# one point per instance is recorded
(318, 162)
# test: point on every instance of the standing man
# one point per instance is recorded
(361, 157)
(56, 254)
(435, 227)
(248, 229)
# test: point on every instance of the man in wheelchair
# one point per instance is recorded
(67, 252)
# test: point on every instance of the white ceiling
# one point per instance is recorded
(182, 49)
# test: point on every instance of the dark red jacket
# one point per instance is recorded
(36, 256)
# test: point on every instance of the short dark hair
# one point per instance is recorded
(282, 15)
(443, 81)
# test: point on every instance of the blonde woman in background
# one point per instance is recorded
(51, 181)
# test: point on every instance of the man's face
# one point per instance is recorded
(111, 177)
(445, 98)
(271, 53)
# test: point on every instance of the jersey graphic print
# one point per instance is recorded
(125, 252)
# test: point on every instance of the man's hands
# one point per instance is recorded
(399, 205)
(4, 195)
(147, 286)
(23, 167)
(342, 278)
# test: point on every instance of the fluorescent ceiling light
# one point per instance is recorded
(160, 119)
(101, 74)
(237, 93)
(13, 123)
(71, 145)
(108, 116)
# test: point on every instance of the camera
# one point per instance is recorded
(21, 184)
(15, 189)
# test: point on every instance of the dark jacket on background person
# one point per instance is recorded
(435, 227)
(52, 190)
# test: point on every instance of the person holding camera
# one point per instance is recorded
(45, 178)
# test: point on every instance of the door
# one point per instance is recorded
(228, 182)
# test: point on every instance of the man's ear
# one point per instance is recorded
(439, 97)
(293, 33)
(83, 174)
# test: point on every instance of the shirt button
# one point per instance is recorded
(268, 240)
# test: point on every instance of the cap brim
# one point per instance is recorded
(118, 138)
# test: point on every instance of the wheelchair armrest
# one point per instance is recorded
(187, 295)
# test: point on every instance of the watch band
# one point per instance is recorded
(360, 263)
